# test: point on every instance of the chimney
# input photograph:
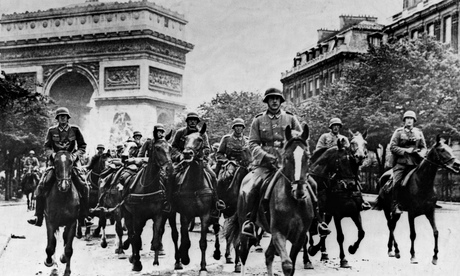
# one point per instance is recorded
(350, 20)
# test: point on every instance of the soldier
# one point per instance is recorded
(96, 158)
(266, 138)
(408, 147)
(69, 138)
(213, 158)
(178, 145)
(329, 139)
(137, 135)
(31, 161)
(119, 151)
(232, 145)
(158, 133)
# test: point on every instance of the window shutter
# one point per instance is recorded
(454, 41)
(437, 30)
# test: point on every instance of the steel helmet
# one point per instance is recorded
(410, 114)
(335, 121)
(100, 146)
(238, 122)
(158, 127)
(31, 152)
(119, 147)
(62, 111)
(273, 92)
(215, 146)
(192, 115)
(137, 133)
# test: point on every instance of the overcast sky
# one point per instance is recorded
(243, 45)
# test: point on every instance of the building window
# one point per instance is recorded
(316, 86)
(310, 89)
(375, 41)
(166, 22)
(430, 29)
(414, 34)
(447, 29)
(332, 76)
(292, 95)
(304, 91)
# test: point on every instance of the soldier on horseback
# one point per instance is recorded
(69, 138)
(158, 133)
(32, 162)
(266, 138)
(232, 145)
(408, 147)
(213, 158)
(178, 145)
(96, 158)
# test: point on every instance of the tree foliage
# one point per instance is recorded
(373, 93)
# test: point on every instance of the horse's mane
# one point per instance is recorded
(317, 154)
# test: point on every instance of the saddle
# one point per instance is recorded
(389, 185)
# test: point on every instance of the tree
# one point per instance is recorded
(373, 93)
(24, 119)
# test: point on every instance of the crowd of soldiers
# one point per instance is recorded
(265, 142)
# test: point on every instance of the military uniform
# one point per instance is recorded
(31, 161)
(178, 142)
(145, 148)
(231, 148)
(327, 140)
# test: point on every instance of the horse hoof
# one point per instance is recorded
(54, 272)
(178, 266)
(391, 254)
(185, 260)
(203, 273)
(161, 253)
(137, 267)
(259, 248)
(49, 263)
(229, 260)
(126, 245)
(78, 235)
(312, 251)
(131, 259)
(122, 256)
(352, 249)
(397, 255)
(238, 268)
(216, 255)
(63, 259)
(308, 265)
(104, 244)
(413, 260)
(344, 264)
(434, 261)
(324, 257)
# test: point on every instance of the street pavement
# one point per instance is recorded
(25, 256)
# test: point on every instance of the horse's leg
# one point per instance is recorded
(324, 255)
(228, 257)
(68, 251)
(269, 257)
(357, 220)
(119, 231)
(413, 235)
(157, 224)
(216, 227)
(295, 249)
(279, 242)
(340, 239)
(391, 223)
(431, 218)
(136, 242)
(101, 225)
(203, 243)
(51, 245)
(306, 259)
(184, 240)
(79, 233)
(175, 238)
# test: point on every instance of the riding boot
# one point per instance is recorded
(39, 211)
(83, 189)
(248, 227)
(394, 204)
(365, 205)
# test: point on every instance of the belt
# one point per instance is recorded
(276, 144)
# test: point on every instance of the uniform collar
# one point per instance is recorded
(237, 138)
(66, 128)
(274, 116)
(408, 129)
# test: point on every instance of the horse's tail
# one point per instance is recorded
(379, 203)
(232, 230)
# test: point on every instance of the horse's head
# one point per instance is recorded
(129, 148)
(295, 162)
(443, 156)
(161, 152)
(63, 165)
(358, 146)
(194, 144)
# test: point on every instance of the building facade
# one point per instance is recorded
(118, 67)
(319, 65)
(437, 18)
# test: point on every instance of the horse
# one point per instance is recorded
(228, 185)
(193, 197)
(336, 171)
(146, 198)
(290, 208)
(62, 209)
(417, 195)
(28, 184)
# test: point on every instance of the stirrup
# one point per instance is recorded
(220, 205)
(35, 221)
(215, 213)
(246, 233)
(167, 207)
(396, 210)
(366, 206)
(323, 229)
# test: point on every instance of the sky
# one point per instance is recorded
(243, 45)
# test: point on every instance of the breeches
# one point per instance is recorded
(399, 172)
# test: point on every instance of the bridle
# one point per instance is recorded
(439, 165)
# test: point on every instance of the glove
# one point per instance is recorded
(269, 159)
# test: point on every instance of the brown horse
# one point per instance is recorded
(146, 198)
(62, 209)
(228, 186)
(28, 184)
(336, 171)
(417, 196)
(290, 212)
(193, 197)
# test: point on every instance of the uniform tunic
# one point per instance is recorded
(68, 138)
(231, 147)
(178, 143)
(328, 140)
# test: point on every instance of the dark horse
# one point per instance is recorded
(146, 200)
(336, 170)
(290, 211)
(28, 184)
(62, 209)
(417, 196)
(193, 197)
(228, 186)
